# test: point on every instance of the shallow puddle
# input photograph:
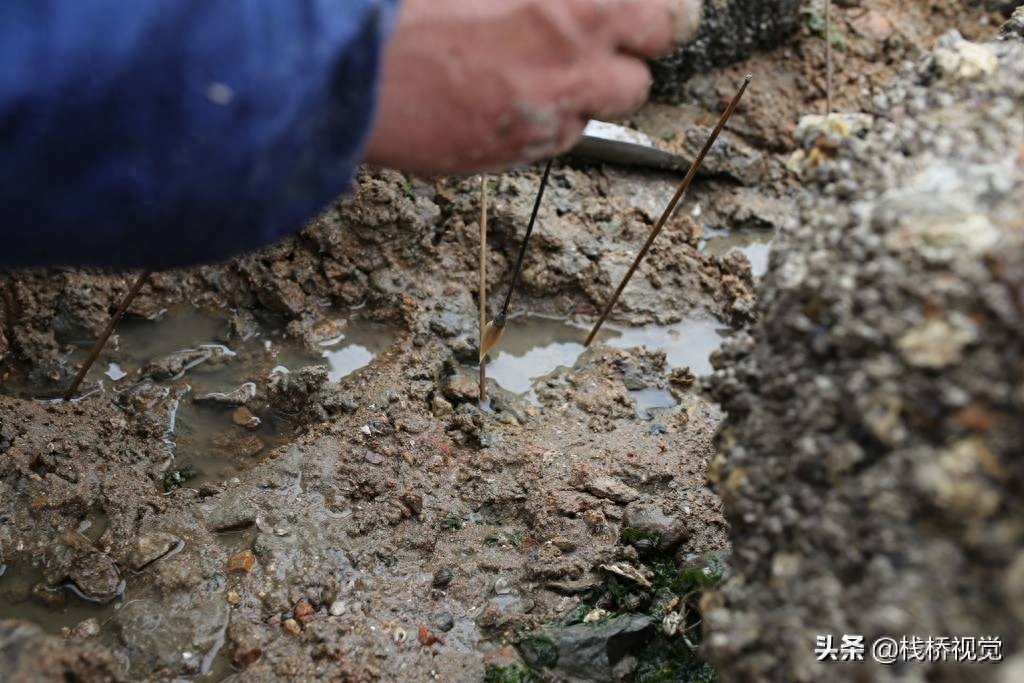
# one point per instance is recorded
(209, 441)
(535, 346)
(652, 400)
(356, 347)
(756, 245)
(52, 608)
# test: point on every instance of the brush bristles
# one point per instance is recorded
(490, 338)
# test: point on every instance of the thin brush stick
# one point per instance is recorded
(680, 192)
(828, 58)
(483, 282)
(526, 242)
(102, 341)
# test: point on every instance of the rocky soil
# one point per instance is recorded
(390, 528)
(871, 463)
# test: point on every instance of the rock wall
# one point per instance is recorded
(732, 30)
(872, 462)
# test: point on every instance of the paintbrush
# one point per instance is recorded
(102, 341)
(670, 209)
(496, 328)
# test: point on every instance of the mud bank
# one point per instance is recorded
(871, 462)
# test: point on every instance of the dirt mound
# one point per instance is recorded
(871, 464)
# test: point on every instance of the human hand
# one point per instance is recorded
(487, 84)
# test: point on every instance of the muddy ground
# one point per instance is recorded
(280, 468)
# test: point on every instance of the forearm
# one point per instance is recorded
(167, 132)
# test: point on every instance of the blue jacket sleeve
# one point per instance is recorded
(164, 133)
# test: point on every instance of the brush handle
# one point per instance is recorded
(526, 241)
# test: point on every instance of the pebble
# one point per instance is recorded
(150, 547)
(241, 562)
(243, 417)
(337, 608)
(292, 627)
(611, 489)
(86, 629)
(441, 407)
(303, 611)
(442, 621)
(502, 586)
(234, 598)
(442, 577)
(413, 501)
(238, 397)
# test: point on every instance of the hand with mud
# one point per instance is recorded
(471, 86)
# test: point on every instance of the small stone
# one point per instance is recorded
(413, 501)
(241, 562)
(238, 397)
(611, 489)
(668, 531)
(502, 586)
(291, 626)
(682, 378)
(86, 629)
(303, 611)
(442, 621)
(97, 577)
(150, 547)
(441, 407)
(337, 608)
(234, 598)
(874, 25)
(425, 637)
(965, 61)
(936, 344)
(243, 417)
(462, 388)
(442, 577)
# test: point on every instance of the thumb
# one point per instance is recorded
(686, 17)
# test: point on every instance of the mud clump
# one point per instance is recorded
(871, 460)
(28, 655)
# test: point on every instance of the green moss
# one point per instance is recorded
(539, 651)
(681, 669)
(576, 614)
(512, 538)
(643, 541)
(407, 187)
(692, 577)
(511, 673)
(178, 477)
(450, 523)
(816, 25)
(631, 535)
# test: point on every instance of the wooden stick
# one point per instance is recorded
(102, 341)
(828, 58)
(483, 282)
(683, 186)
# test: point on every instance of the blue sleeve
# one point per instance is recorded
(165, 133)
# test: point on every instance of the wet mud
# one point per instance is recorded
(280, 469)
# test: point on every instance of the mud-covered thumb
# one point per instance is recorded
(686, 18)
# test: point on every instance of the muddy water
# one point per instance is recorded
(53, 608)
(756, 245)
(203, 436)
(535, 346)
